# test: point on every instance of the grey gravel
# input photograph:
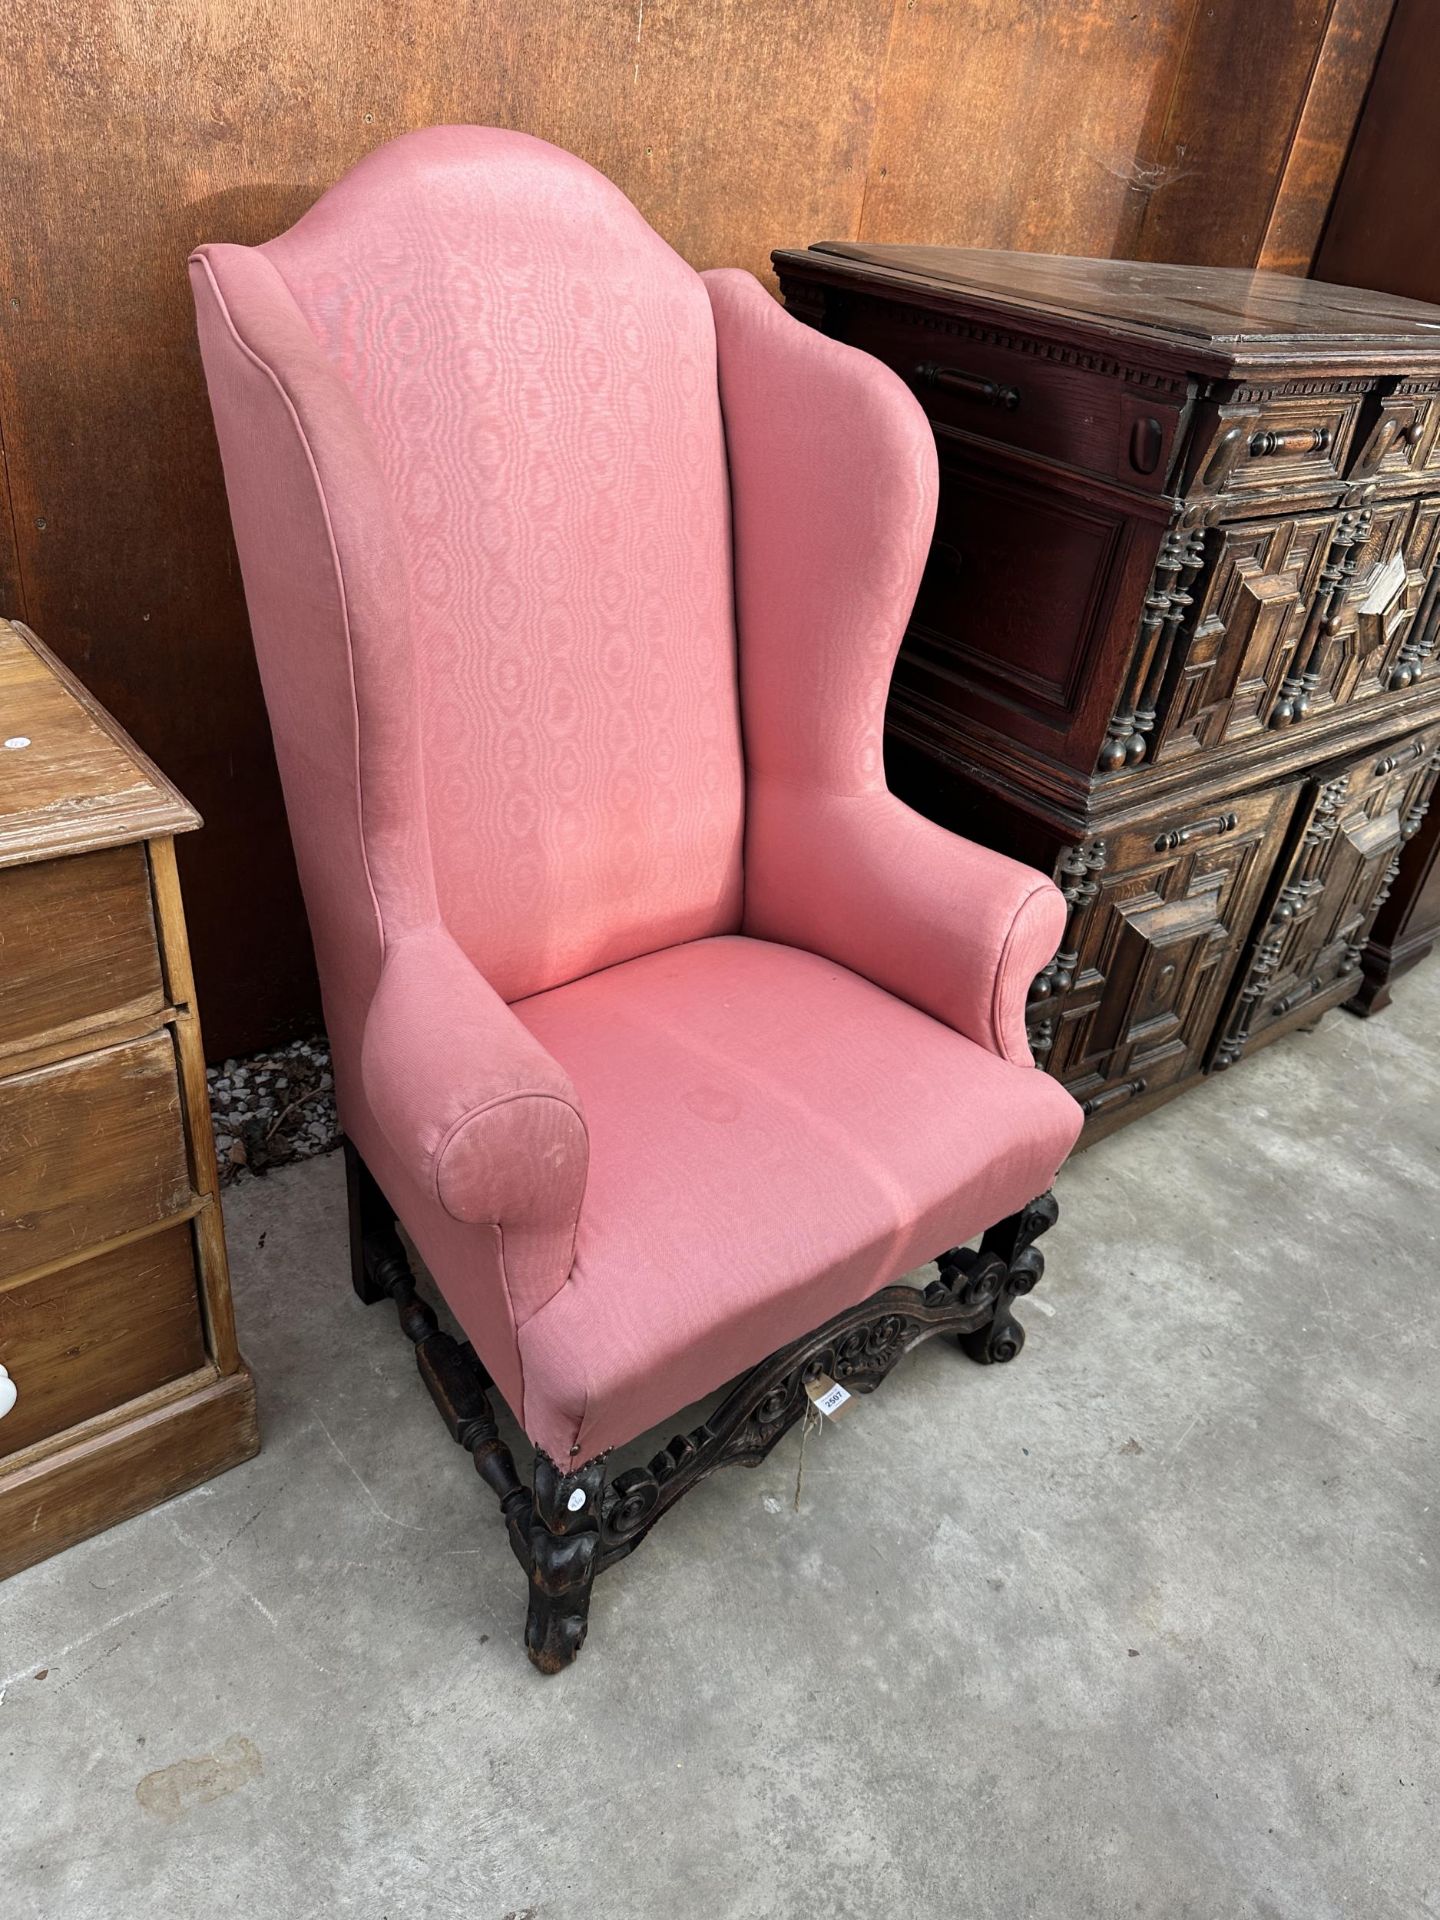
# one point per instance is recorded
(271, 1109)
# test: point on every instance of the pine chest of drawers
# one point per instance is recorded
(123, 1384)
(1176, 641)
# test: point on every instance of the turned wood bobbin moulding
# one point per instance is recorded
(124, 1384)
(1178, 639)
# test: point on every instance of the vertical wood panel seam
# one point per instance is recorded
(1277, 183)
(878, 116)
(22, 609)
(1338, 183)
(1176, 84)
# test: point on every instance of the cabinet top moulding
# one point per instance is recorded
(1226, 323)
(71, 779)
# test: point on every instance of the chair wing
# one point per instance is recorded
(833, 483)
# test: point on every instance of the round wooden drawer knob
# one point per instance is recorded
(9, 1393)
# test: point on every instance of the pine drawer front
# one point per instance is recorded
(121, 1380)
(81, 1339)
(79, 948)
(90, 1149)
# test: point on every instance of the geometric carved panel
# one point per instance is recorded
(1306, 956)
(1383, 640)
(1252, 612)
(1131, 1005)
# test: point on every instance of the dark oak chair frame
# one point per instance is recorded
(569, 1525)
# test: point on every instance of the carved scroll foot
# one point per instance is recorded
(564, 1553)
(1001, 1337)
(1001, 1340)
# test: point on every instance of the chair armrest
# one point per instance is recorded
(482, 1118)
(953, 928)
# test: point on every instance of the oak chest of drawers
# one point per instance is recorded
(116, 1333)
(1177, 638)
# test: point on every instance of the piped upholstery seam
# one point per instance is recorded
(338, 567)
(1040, 887)
(489, 1106)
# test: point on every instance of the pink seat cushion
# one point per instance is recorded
(772, 1138)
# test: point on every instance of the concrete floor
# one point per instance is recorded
(1146, 1624)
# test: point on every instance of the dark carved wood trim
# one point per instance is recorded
(1297, 689)
(563, 1560)
(975, 758)
(1077, 874)
(1012, 340)
(570, 1525)
(1273, 389)
(1127, 738)
(972, 1297)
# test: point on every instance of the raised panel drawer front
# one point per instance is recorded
(1289, 443)
(1306, 954)
(79, 946)
(1159, 912)
(1063, 404)
(87, 1337)
(1403, 445)
(89, 1149)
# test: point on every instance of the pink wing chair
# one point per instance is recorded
(670, 1036)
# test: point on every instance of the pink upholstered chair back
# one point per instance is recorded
(490, 582)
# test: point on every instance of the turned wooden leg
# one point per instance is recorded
(554, 1529)
(378, 1267)
(564, 1555)
(1002, 1336)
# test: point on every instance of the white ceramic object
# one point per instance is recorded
(9, 1393)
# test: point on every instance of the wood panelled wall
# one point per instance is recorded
(1384, 226)
(1196, 130)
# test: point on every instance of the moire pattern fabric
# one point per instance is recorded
(535, 371)
(831, 459)
(826, 1138)
(661, 1047)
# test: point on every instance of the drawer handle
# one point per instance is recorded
(9, 1393)
(1391, 761)
(1126, 1090)
(1196, 830)
(973, 386)
(1298, 440)
(1147, 440)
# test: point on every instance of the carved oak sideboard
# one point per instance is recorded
(1176, 640)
